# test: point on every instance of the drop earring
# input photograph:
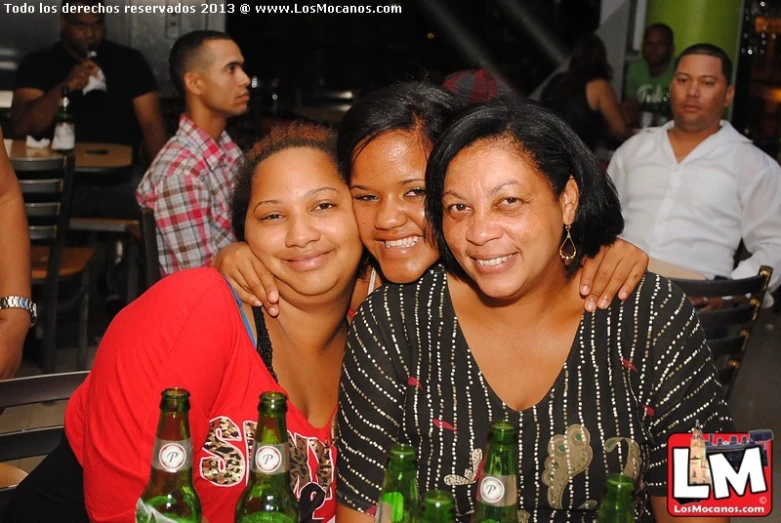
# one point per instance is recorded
(567, 250)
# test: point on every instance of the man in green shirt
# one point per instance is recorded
(648, 79)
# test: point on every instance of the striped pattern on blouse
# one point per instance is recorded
(636, 373)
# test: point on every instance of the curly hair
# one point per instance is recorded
(280, 138)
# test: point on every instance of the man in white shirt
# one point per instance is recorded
(693, 188)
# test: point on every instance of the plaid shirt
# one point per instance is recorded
(189, 186)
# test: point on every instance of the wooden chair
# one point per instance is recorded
(47, 188)
(125, 230)
(31, 442)
(729, 329)
(149, 240)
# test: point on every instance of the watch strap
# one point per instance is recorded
(20, 302)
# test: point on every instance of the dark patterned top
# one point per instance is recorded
(636, 373)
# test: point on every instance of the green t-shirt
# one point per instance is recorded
(640, 83)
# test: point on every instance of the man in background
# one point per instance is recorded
(693, 188)
(113, 98)
(648, 78)
(188, 186)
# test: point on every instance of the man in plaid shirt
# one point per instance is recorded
(190, 181)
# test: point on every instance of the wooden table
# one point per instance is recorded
(95, 159)
(92, 158)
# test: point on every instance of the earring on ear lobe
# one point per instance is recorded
(568, 251)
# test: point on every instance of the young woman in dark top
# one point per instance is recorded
(516, 201)
(583, 95)
(384, 142)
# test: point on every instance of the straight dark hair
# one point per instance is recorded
(553, 149)
(420, 107)
(710, 50)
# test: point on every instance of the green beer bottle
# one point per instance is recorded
(399, 499)
(170, 496)
(437, 507)
(617, 504)
(497, 488)
(268, 497)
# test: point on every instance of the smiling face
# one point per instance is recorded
(300, 224)
(388, 188)
(699, 93)
(502, 221)
(219, 79)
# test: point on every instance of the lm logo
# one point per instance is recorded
(720, 474)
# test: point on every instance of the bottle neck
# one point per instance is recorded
(172, 452)
(270, 463)
(500, 459)
(400, 473)
(617, 501)
(498, 486)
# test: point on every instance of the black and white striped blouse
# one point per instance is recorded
(636, 373)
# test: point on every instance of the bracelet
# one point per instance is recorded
(19, 302)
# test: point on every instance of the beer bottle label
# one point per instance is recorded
(171, 456)
(498, 491)
(271, 459)
(64, 136)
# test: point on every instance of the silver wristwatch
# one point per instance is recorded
(18, 302)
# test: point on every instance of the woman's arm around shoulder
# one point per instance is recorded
(616, 268)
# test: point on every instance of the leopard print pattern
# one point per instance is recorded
(226, 465)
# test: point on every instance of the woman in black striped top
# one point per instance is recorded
(499, 332)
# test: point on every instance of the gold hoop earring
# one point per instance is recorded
(568, 252)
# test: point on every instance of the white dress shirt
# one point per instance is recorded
(694, 213)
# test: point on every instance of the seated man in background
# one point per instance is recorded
(113, 98)
(189, 183)
(648, 78)
(693, 188)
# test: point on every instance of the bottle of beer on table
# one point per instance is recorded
(64, 127)
(399, 499)
(268, 497)
(497, 487)
(438, 507)
(170, 496)
(618, 500)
